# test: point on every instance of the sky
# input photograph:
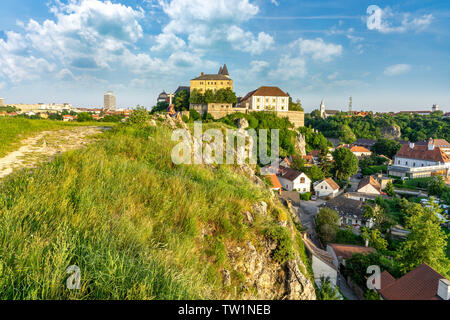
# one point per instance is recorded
(386, 55)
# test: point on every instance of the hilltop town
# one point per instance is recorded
(359, 197)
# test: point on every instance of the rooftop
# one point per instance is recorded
(420, 283)
(369, 181)
(346, 206)
(347, 250)
(422, 152)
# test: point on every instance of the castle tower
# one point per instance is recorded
(435, 108)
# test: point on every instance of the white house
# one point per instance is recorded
(416, 161)
(322, 262)
(369, 185)
(326, 188)
(266, 99)
(292, 179)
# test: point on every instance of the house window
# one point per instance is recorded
(406, 163)
(321, 187)
(398, 161)
(302, 180)
(414, 164)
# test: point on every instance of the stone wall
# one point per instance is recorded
(220, 110)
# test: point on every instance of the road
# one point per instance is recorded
(307, 212)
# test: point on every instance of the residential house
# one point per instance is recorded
(417, 161)
(292, 179)
(362, 197)
(326, 188)
(67, 118)
(266, 99)
(322, 262)
(369, 185)
(358, 151)
(421, 283)
(343, 252)
(350, 212)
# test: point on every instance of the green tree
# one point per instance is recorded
(375, 239)
(390, 191)
(327, 225)
(346, 163)
(298, 163)
(346, 134)
(84, 117)
(436, 186)
(386, 147)
(138, 116)
(427, 241)
(315, 173)
(327, 291)
(182, 100)
(196, 97)
(160, 107)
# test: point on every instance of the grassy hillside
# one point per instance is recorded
(138, 226)
(13, 130)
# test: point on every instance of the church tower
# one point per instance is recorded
(322, 110)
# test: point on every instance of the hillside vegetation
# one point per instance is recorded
(15, 129)
(136, 225)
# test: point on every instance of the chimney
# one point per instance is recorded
(202, 74)
(411, 145)
(444, 289)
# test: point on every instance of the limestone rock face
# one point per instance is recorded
(391, 132)
(301, 145)
(267, 280)
(260, 208)
(242, 123)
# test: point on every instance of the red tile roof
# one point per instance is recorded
(266, 92)
(275, 182)
(386, 279)
(419, 284)
(422, 153)
(346, 250)
(369, 180)
(359, 149)
(332, 184)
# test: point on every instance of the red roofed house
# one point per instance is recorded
(342, 252)
(326, 188)
(421, 283)
(266, 99)
(369, 185)
(418, 161)
(358, 151)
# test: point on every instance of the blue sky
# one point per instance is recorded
(387, 55)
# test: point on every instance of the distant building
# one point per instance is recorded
(266, 99)
(2, 102)
(350, 212)
(163, 97)
(358, 151)
(182, 88)
(418, 161)
(369, 185)
(326, 113)
(109, 101)
(213, 82)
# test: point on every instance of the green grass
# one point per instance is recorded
(15, 129)
(128, 217)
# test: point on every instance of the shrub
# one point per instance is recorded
(284, 250)
(305, 196)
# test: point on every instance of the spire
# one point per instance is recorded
(220, 70)
(225, 70)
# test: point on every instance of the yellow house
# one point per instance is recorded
(213, 82)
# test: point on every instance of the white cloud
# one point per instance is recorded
(397, 69)
(275, 2)
(168, 41)
(213, 23)
(318, 49)
(387, 21)
(333, 76)
(247, 42)
(290, 68)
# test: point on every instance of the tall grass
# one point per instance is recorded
(138, 226)
(13, 130)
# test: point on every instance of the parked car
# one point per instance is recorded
(313, 198)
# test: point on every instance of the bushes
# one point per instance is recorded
(284, 250)
(368, 171)
(305, 196)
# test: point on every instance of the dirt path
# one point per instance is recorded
(46, 145)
